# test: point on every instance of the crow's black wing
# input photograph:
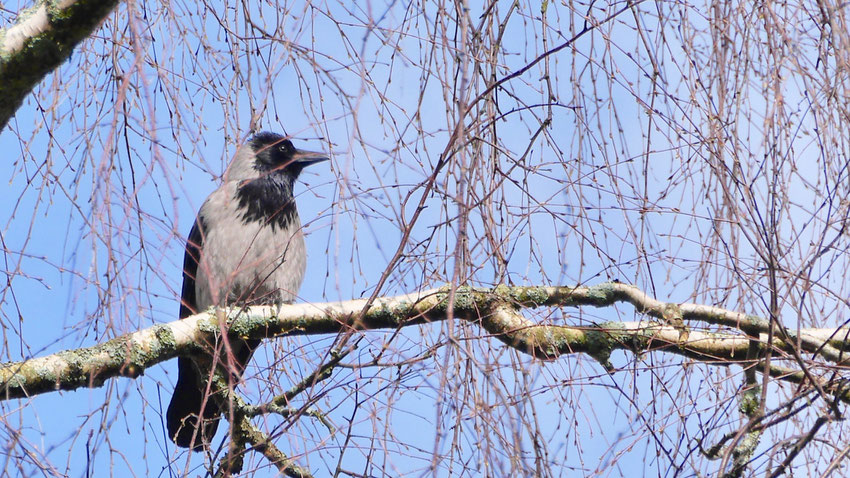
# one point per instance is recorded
(189, 401)
(188, 300)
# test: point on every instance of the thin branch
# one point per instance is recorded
(246, 433)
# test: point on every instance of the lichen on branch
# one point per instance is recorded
(501, 311)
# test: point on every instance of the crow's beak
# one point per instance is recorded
(306, 158)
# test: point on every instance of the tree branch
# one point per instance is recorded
(43, 37)
(497, 310)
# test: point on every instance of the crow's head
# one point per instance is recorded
(276, 154)
(265, 171)
(271, 156)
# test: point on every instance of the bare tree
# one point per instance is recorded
(619, 229)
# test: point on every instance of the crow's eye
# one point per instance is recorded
(285, 147)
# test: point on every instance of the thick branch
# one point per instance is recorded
(43, 38)
(496, 310)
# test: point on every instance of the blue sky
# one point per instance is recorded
(139, 159)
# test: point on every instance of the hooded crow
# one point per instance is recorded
(245, 248)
